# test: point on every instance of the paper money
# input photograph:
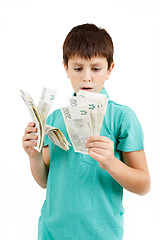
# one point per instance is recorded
(102, 103)
(36, 117)
(39, 116)
(46, 101)
(92, 108)
(84, 117)
(78, 124)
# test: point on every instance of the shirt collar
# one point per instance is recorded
(102, 92)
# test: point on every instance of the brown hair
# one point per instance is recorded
(86, 41)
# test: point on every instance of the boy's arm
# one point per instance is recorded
(136, 161)
(39, 169)
(39, 162)
(133, 174)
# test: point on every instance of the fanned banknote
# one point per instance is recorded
(39, 116)
(78, 124)
(102, 103)
(84, 117)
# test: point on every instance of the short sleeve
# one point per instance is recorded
(131, 136)
(46, 140)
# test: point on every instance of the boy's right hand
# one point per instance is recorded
(26, 143)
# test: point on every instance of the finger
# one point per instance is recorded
(98, 138)
(29, 144)
(28, 137)
(98, 151)
(96, 154)
(102, 145)
(31, 124)
(30, 130)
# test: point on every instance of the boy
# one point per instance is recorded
(84, 192)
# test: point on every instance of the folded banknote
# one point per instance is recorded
(39, 115)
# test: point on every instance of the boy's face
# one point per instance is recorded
(88, 74)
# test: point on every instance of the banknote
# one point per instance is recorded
(92, 108)
(36, 117)
(78, 125)
(102, 103)
(39, 114)
(57, 137)
(84, 117)
(45, 102)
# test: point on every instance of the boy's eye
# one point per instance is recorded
(96, 69)
(77, 69)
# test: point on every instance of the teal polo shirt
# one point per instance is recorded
(83, 202)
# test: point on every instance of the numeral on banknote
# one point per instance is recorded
(92, 106)
(73, 102)
(83, 112)
(52, 97)
(66, 113)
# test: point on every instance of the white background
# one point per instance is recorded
(31, 38)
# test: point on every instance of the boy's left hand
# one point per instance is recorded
(101, 149)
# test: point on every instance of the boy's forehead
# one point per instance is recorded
(92, 60)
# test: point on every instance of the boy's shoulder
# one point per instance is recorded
(119, 109)
(120, 116)
(51, 118)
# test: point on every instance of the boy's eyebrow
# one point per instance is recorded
(76, 63)
(95, 64)
(81, 64)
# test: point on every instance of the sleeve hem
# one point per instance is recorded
(131, 149)
(45, 144)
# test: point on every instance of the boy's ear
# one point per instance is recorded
(66, 68)
(110, 70)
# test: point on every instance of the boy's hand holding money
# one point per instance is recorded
(29, 140)
(101, 149)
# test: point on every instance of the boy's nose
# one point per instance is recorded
(87, 76)
(86, 80)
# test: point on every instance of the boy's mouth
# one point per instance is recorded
(86, 88)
